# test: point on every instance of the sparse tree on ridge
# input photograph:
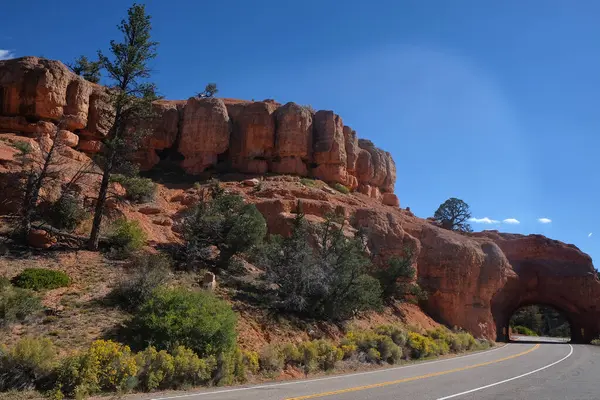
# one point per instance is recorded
(131, 99)
(89, 70)
(453, 215)
(209, 90)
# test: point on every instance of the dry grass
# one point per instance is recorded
(75, 315)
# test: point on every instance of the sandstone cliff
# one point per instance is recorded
(196, 134)
(475, 281)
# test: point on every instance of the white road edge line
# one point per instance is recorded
(507, 380)
(327, 378)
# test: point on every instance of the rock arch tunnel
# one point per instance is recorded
(477, 281)
(553, 274)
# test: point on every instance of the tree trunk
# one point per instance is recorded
(99, 210)
(34, 185)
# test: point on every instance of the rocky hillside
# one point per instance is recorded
(474, 281)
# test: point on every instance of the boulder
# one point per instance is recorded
(40, 239)
(72, 154)
(251, 182)
(209, 281)
(205, 133)
(150, 209)
(390, 199)
(67, 138)
(90, 146)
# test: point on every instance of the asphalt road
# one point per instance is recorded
(529, 371)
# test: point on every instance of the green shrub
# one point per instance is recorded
(291, 354)
(178, 317)
(341, 188)
(467, 340)
(308, 182)
(483, 344)
(26, 365)
(189, 369)
(41, 278)
(349, 350)
(398, 335)
(271, 359)
(66, 213)
(155, 369)
(328, 354)
(596, 342)
(230, 368)
(396, 277)
(329, 282)
(373, 355)
(383, 344)
(225, 222)
(106, 366)
(151, 271)
(137, 189)
(389, 351)
(23, 147)
(523, 330)
(126, 237)
(16, 305)
(319, 354)
(4, 282)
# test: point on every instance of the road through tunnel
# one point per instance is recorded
(563, 295)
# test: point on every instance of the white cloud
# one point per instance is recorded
(590, 234)
(544, 220)
(511, 221)
(484, 220)
(6, 54)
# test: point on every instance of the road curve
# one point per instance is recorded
(525, 371)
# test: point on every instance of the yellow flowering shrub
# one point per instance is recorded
(421, 346)
(105, 366)
(156, 368)
(251, 361)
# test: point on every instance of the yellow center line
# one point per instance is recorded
(414, 378)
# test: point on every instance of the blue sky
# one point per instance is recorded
(496, 103)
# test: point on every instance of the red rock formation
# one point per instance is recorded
(246, 136)
(329, 147)
(205, 133)
(293, 140)
(253, 136)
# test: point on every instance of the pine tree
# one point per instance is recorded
(131, 98)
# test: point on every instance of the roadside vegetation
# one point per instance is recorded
(111, 367)
(540, 321)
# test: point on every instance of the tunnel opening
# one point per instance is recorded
(539, 323)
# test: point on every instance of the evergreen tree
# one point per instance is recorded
(131, 98)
